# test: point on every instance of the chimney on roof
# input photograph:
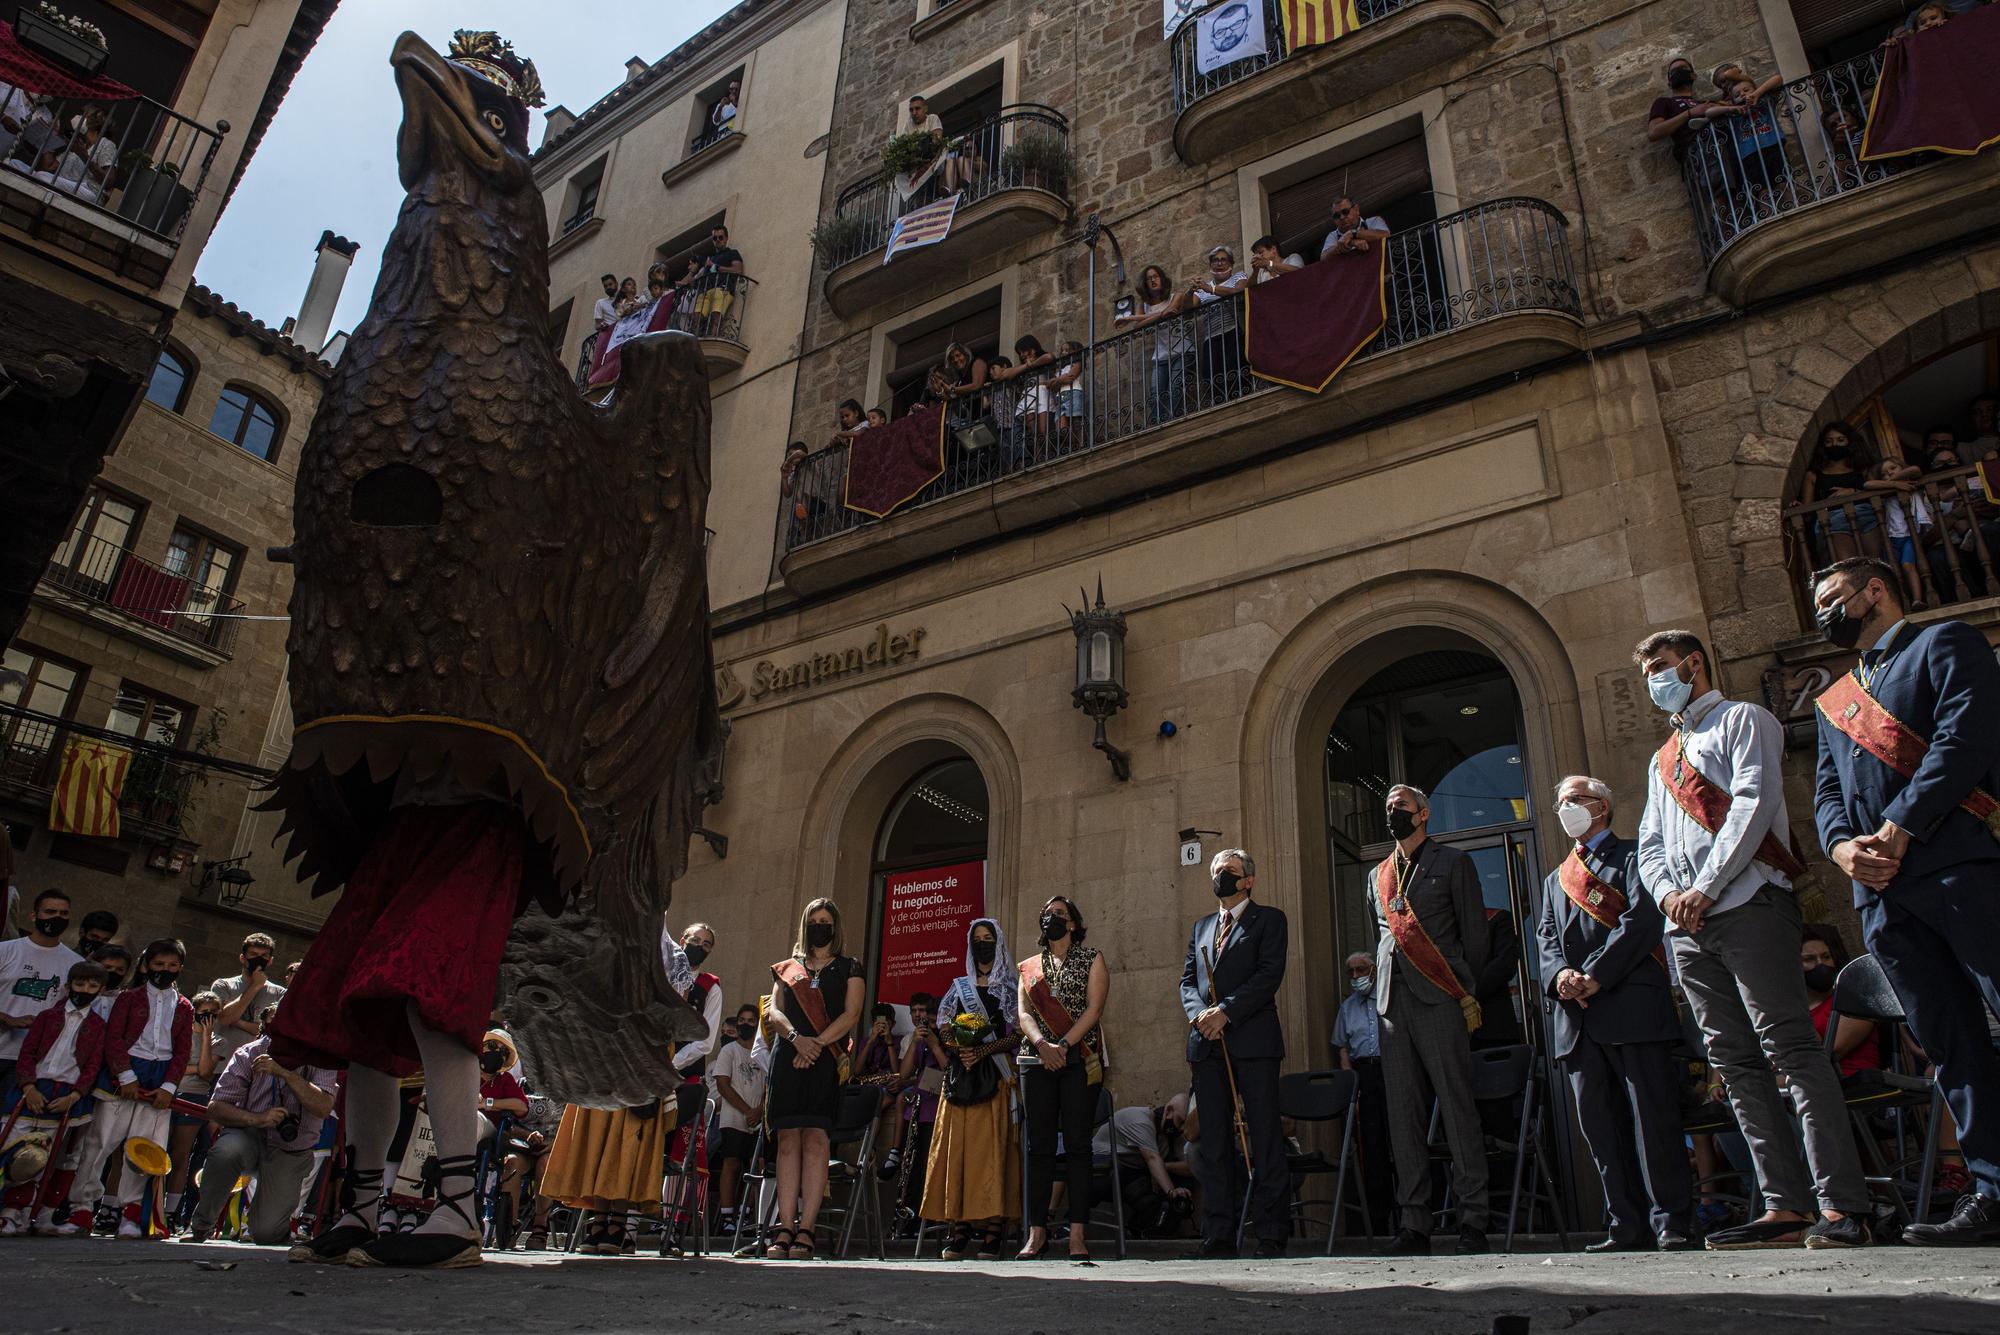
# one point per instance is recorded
(556, 122)
(333, 257)
(634, 67)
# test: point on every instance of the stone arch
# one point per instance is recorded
(1881, 333)
(867, 770)
(1292, 706)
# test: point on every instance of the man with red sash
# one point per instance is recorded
(1715, 852)
(1432, 945)
(1909, 769)
(1612, 1025)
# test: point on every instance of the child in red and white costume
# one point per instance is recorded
(59, 1060)
(146, 1048)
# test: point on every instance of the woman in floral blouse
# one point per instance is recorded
(1062, 995)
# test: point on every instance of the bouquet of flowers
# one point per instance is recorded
(966, 1030)
(89, 32)
(966, 1085)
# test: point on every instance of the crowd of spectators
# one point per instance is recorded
(701, 293)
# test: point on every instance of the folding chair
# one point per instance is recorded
(1862, 992)
(1106, 1106)
(753, 1225)
(854, 1126)
(1507, 1073)
(496, 1215)
(1319, 1096)
(684, 1186)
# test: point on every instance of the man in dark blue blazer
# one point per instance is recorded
(1907, 743)
(1612, 1024)
(1237, 1009)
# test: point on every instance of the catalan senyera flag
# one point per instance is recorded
(1315, 22)
(921, 227)
(88, 787)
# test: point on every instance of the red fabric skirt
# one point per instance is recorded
(423, 921)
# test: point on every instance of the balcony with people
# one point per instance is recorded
(697, 287)
(1793, 183)
(1040, 431)
(1223, 99)
(1008, 169)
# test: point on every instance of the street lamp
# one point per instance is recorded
(236, 882)
(1100, 672)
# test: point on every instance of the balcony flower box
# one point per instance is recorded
(69, 42)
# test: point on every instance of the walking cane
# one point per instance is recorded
(53, 1165)
(1229, 1066)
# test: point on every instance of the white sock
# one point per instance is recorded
(372, 1112)
(451, 1093)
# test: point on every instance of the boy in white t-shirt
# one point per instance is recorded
(738, 1078)
(32, 970)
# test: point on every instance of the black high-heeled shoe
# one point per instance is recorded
(1033, 1253)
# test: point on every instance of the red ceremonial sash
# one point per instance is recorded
(1860, 718)
(1596, 896)
(1054, 1016)
(811, 1000)
(1708, 806)
(1411, 938)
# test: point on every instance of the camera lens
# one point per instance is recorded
(288, 1129)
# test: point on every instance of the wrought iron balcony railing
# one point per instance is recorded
(158, 792)
(1191, 85)
(1024, 147)
(102, 572)
(135, 160)
(1799, 145)
(1495, 259)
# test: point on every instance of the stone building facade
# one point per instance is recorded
(160, 620)
(1604, 371)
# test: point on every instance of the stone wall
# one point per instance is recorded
(183, 474)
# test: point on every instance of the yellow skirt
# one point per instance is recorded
(975, 1165)
(609, 1155)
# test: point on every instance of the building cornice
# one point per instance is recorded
(206, 301)
(742, 29)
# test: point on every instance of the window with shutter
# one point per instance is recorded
(1393, 182)
(914, 351)
(1834, 30)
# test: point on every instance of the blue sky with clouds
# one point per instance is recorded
(329, 157)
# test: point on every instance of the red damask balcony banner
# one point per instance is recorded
(888, 465)
(1938, 92)
(1301, 329)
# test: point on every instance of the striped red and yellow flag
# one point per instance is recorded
(1316, 22)
(88, 788)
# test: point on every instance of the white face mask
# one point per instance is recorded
(1575, 818)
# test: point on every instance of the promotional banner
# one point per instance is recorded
(925, 916)
(1229, 33)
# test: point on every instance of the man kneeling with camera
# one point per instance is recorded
(268, 1120)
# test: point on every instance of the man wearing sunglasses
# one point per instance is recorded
(1351, 232)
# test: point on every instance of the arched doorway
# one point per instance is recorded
(1443, 714)
(927, 879)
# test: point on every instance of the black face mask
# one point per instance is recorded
(1054, 927)
(1680, 80)
(492, 1062)
(1820, 977)
(819, 935)
(1841, 630)
(81, 999)
(1225, 884)
(984, 951)
(52, 926)
(1836, 452)
(1402, 824)
(696, 954)
(113, 981)
(161, 979)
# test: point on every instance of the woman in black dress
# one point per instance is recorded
(815, 1004)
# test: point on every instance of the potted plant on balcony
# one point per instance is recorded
(63, 38)
(1039, 161)
(907, 154)
(838, 239)
(154, 197)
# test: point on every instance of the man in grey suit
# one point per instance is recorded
(1432, 946)
(1612, 1024)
